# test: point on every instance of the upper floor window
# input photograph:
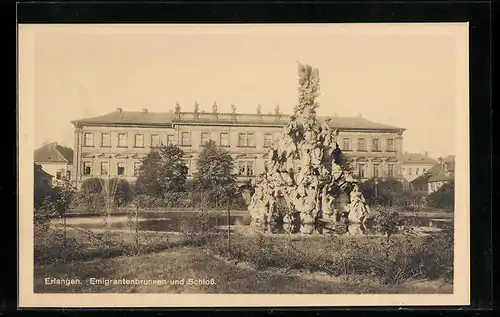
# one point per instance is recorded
(87, 168)
(361, 144)
(390, 170)
(246, 139)
(205, 136)
(58, 175)
(224, 139)
(390, 144)
(120, 168)
(122, 140)
(346, 144)
(104, 168)
(155, 140)
(139, 140)
(137, 168)
(171, 139)
(105, 140)
(410, 171)
(88, 139)
(185, 138)
(375, 145)
(268, 139)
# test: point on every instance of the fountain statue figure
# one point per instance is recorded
(304, 167)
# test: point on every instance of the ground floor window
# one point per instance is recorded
(87, 168)
(246, 168)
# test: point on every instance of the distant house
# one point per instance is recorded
(43, 178)
(438, 175)
(56, 160)
(415, 165)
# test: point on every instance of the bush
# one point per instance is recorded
(198, 230)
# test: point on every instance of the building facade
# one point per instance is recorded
(115, 143)
(415, 165)
(56, 160)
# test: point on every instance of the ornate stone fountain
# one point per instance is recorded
(304, 178)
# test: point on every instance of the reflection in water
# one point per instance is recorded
(172, 221)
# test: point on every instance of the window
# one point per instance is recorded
(417, 170)
(245, 168)
(423, 170)
(88, 139)
(249, 168)
(68, 175)
(155, 140)
(361, 144)
(375, 145)
(105, 140)
(224, 139)
(186, 139)
(121, 168)
(376, 168)
(139, 140)
(268, 139)
(346, 144)
(361, 170)
(137, 168)
(87, 168)
(104, 168)
(390, 144)
(58, 175)
(122, 140)
(205, 136)
(246, 140)
(409, 171)
(390, 170)
(171, 139)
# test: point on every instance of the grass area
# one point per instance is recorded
(256, 264)
(194, 263)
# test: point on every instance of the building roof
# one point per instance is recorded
(417, 158)
(167, 118)
(54, 153)
(444, 170)
(41, 172)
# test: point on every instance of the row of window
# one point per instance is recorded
(417, 171)
(120, 168)
(376, 145)
(245, 168)
(376, 170)
(244, 140)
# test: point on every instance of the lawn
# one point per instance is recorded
(258, 265)
(195, 263)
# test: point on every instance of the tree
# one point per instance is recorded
(444, 197)
(214, 175)
(162, 171)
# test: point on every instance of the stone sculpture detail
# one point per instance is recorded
(303, 171)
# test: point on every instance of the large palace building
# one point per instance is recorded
(115, 143)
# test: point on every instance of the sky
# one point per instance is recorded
(402, 76)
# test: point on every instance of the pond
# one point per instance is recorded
(239, 221)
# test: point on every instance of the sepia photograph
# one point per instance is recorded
(191, 163)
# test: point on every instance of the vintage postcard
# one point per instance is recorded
(243, 165)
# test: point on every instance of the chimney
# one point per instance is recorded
(440, 160)
(119, 109)
(426, 153)
(145, 111)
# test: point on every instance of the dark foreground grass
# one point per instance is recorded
(184, 263)
(254, 265)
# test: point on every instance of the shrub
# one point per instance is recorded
(444, 197)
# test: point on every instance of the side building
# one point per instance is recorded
(56, 160)
(115, 143)
(415, 165)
